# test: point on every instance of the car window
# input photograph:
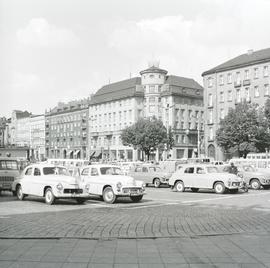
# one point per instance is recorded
(138, 169)
(189, 170)
(28, 172)
(249, 168)
(200, 170)
(111, 171)
(9, 164)
(85, 171)
(144, 169)
(94, 172)
(226, 169)
(37, 172)
(55, 171)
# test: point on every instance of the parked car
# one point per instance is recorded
(255, 179)
(203, 176)
(150, 174)
(49, 181)
(9, 171)
(109, 182)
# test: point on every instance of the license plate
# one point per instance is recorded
(133, 192)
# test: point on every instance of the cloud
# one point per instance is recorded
(191, 46)
(39, 32)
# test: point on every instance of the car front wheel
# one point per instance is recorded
(179, 186)
(157, 183)
(49, 196)
(108, 195)
(19, 192)
(219, 188)
(136, 198)
(255, 184)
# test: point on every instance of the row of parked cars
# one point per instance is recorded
(110, 182)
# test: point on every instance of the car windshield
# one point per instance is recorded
(155, 169)
(212, 169)
(249, 169)
(55, 171)
(111, 171)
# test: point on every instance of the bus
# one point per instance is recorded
(258, 156)
(69, 163)
(257, 163)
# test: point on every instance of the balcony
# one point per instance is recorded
(246, 82)
(237, 84)
(94, 134)
(108, 133)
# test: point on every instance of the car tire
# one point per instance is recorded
(194, 190)
(80, 200)
(219, 188)
(266, 187)
(179, 186)
(49, 196)
(108, 195)
(157, 183)
(14, 193)
(137, 198)
(255, 184)
(19, 192)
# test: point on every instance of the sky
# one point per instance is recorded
(60, 50)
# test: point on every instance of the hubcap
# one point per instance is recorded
(219, 188)
(109, 195)
(179, 187)
(49, 196)
(20, 192)
(255, 184)
(156, 182)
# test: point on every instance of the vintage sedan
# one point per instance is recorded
(49, 181)
(150, 174)
(255, 179)
(198, 177)
(109, 182)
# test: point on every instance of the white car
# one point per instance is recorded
(109, 182)
(49, 181)
(195, 177)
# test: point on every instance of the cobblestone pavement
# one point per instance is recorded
(225, 251)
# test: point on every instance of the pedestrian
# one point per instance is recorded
(233, 169)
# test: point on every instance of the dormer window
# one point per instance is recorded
(151, 76)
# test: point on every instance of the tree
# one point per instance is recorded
(238, 131)
(146, 135)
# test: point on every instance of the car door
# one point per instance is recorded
(202, 180)
(37, 183)
(26, 181)
(94, 181)
(188, 176)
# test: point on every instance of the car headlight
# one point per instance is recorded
(229, 182)
(87, 187)
(119, 186)
(263, 180)
(143, 185)
(59, 186)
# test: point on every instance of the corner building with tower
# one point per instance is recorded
(176, 101)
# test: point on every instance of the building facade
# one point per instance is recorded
(3, 126)
(177, 101)
(244, 78)
(37, 137)
(66, 130)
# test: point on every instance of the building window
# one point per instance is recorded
(210, 100)
(189, 114)
(151, 108)
(222, 114)
(221, 80)
(210, 81)
(238, 96)
(152, 99)
(210, 116)
(182, 125)
(229, 78)
(222, 96)
(247, 94)
(266, 89)
(211, 134)
(152, 89)
(246, 74)
(189, 125)
(229, 95)
(238, 78)
(256, 73)
(265, 71)
(256, 92)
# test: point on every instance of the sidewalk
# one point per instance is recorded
(201, 251)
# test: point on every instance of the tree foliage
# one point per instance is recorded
(146, 135)
(245, 129)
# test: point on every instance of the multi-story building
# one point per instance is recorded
(177, 101)
(37, 137)
(3, 126)
(66, 130)
(245, 77)
(20, 129)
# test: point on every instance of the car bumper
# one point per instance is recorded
(234, 185)
(71, 193)
(164, 180)
(130, 191)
